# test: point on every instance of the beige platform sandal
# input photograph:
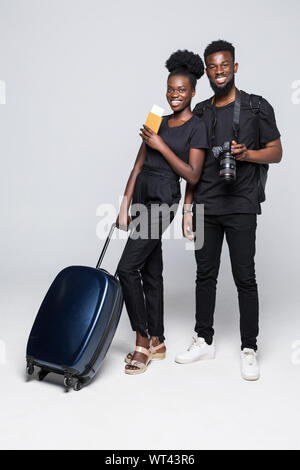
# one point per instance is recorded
(154, 355)
(141, 366)
(158, 356)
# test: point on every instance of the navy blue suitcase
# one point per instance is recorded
(76, 323)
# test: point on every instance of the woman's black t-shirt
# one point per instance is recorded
(180, 139)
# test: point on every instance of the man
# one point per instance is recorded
(230, 205)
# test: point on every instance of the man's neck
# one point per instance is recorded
(226, 99)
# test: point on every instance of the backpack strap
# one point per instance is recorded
(262, 168)
(200, 107)
(252, 101)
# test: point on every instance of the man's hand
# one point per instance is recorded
(187, 226)
(240, 151)
(151, 138)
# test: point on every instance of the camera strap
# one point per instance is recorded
(236, 117)
(236, 114)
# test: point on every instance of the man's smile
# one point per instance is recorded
(220, 80)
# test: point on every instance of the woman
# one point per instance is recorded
(178, 150)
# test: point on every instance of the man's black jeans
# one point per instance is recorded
(240, 231)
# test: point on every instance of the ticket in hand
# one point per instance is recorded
(154, 118)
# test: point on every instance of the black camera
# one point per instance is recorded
(227, 162)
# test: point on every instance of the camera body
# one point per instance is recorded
(227, 162)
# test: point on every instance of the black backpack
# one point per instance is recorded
(248, 102)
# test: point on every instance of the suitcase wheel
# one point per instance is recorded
(68, 382)
(77, 386)
(42, 374)
(30, 369)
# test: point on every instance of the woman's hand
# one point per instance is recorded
(123, 221)
(187, 226)
(151, 138)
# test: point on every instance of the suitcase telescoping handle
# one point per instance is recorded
(112, 228)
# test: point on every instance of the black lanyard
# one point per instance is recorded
(236, 117)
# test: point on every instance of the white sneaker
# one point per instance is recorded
(197, 351)
(249, 364)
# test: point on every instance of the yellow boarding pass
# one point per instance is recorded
(154, 118)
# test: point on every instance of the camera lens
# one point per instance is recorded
(227, 168)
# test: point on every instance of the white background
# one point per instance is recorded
(80, 79)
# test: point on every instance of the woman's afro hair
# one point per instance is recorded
(185, 61)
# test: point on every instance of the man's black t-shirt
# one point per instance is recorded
(255, 130)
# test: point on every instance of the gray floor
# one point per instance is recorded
(197, 406)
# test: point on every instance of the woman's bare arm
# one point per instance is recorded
(190, 171)
(123, 218)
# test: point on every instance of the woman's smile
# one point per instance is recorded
(174, 103)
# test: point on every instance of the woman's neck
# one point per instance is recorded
(182, 116)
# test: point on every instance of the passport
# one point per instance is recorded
(154, 118)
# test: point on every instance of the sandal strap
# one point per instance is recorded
(155, 348)
(142, 350)
(138, 364)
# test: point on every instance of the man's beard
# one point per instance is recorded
(221, 91)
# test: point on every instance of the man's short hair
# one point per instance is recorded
(217, 46)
